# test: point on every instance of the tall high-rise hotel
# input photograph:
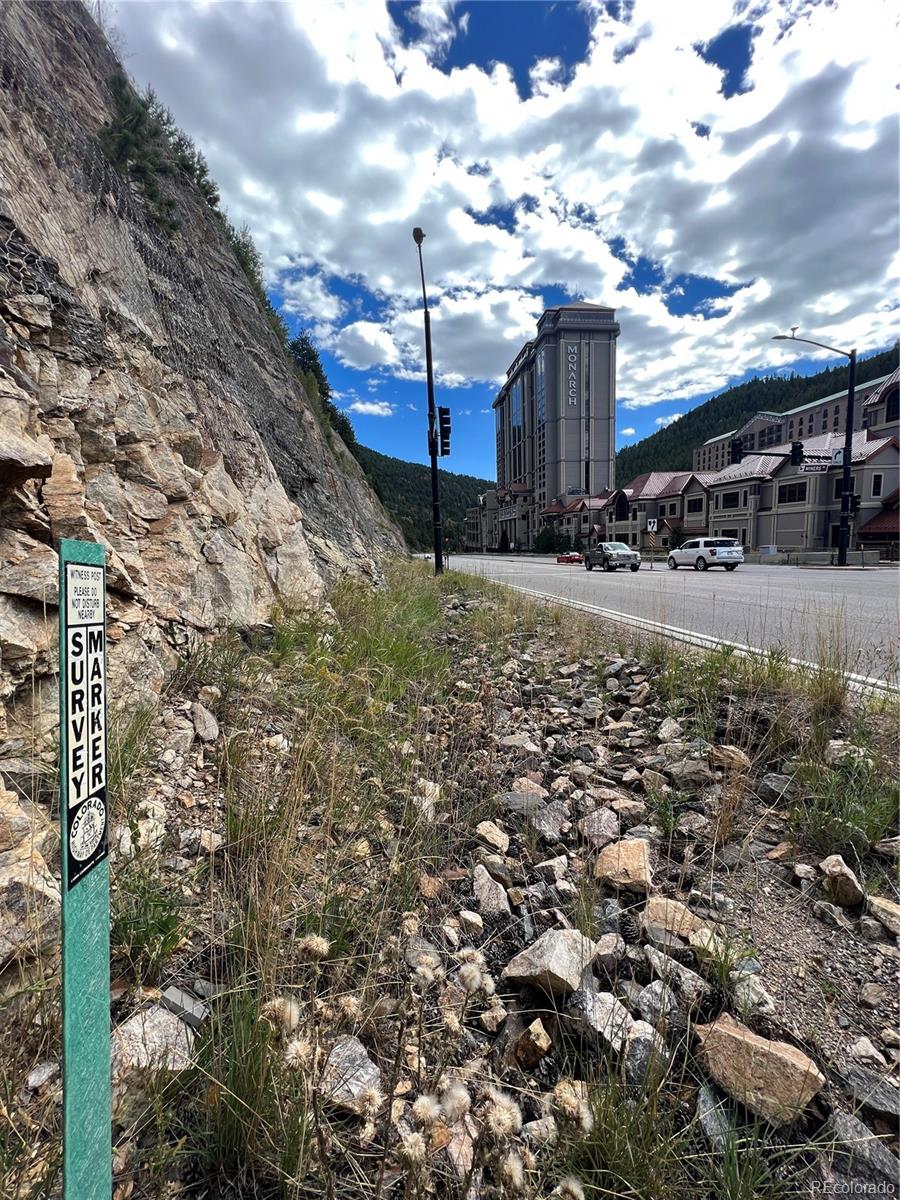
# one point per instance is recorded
(556, 417)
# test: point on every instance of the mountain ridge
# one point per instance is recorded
(670, 449)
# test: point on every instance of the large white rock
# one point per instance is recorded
(555, 962)
(349, 1073)
(151, 1041)
(29, 904)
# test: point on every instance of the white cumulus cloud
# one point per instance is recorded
(332, 131)
(371, 408)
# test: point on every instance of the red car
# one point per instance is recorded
(571, 556)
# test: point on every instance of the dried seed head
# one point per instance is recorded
(451, 1021)
(512, 1172)
(424, 977)
(298, 1054)
(500, 1114)
(487, 984)
(284, 1012)
(469, 954)
(470, 978)
(367, 1134)
(313, 947)
(351, 1007)
(412, 1151)
(426, 1110)
(409, 923)
(370, 1101)
(454, 1101)
(567, 1099)
(568, 1189)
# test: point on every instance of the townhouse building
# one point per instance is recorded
(828, 415)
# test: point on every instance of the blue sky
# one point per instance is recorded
(717, 172)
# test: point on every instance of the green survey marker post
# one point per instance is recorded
(84, 822)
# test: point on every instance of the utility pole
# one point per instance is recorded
(418, 238)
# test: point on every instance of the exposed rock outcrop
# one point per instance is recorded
(145, 403)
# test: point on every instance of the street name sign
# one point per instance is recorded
(84, 806)
(814, 468)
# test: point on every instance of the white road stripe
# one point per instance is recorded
(859, 683)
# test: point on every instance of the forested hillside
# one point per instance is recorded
(404, 489)
(670, 449)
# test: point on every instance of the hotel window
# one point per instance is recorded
(877, 485)
(792, 493)
(541, 406)
(744, 501)
(695, 504)
(731, 499)
(824, 420)
(837, 420)
(673, 510)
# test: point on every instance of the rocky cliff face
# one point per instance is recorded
(144, 401)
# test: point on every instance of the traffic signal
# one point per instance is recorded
(796, 454)
(444, 429)
(855, 502)
(737, 450)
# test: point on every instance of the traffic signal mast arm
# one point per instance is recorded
(795, 454)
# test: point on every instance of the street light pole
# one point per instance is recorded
(418, 238)
(844, 530)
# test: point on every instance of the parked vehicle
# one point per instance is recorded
(612, 555)
(570, 556)
(702, 553)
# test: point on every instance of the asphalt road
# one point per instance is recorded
(799, 609)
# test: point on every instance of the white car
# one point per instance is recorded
(701, 553)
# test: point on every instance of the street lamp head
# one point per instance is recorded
(418, 236)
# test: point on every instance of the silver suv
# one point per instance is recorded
(612, 555)
(701, 553)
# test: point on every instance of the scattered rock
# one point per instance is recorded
(713, 1119)
(470, 922)
(866, 1087)
(864, 1051)
(490, 896)
(673, 916)
(732, 758)
(645, 1054)
(599, 827)
(493, 836)
(349, 1073)
(205, 724)
(532, 1045)
(689, 985)
(887, 912)
(625, 864)
(29, 904)
(773, 789)
(841, 885)
(830, 914)
(149, 1042)
(600, 1013)
(888, 847)
(555, 962)
(873, 995)
(861, 1156)
(669, 730)
(773, 1079)
(657, 1003)
(750, 996)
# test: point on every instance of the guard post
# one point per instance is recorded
(84, 824)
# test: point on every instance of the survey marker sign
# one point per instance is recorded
(87, 1157)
